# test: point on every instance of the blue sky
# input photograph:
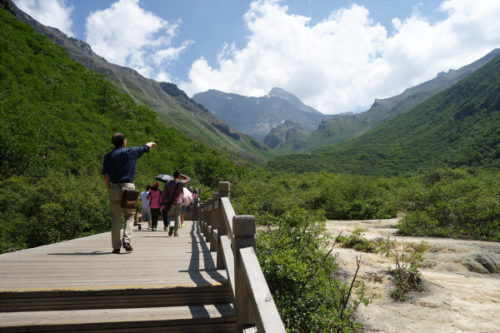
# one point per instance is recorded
(335, 55)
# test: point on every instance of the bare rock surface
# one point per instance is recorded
(461, 283)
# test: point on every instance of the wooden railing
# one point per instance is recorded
(233, 238)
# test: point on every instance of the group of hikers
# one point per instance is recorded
(119, 173)
(171, 203)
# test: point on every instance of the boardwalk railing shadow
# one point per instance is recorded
(208, 261)
(93, 253)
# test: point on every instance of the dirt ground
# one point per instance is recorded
(461, 283)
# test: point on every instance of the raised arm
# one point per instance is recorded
(185, 178)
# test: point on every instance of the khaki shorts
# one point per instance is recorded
(174, 211)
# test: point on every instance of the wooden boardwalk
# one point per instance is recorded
(87, 263)
(167, 284)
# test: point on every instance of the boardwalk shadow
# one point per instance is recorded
(194, 265)
(93, 253)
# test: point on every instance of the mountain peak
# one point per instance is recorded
(292, 99)
(283, 94)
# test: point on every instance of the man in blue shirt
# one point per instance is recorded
(118, 170)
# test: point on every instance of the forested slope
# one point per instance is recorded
(343, 127)
(459, 127)
(170, 103)
(57, 119)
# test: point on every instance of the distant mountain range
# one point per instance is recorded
(257, 116)
(339, 128)
(171, 104)
(458, 127)
(288, 126)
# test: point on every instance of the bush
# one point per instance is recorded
(268, 195)
(454, 203)
(50, 209)
(356, 241)
(298, 265)
(406, 275)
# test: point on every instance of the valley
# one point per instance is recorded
(438, 161)
(461, 283)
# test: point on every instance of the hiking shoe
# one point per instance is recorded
(116, 251)
(170, 231)
(127, 247)
(176, 234)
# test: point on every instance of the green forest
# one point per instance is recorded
(58, 118)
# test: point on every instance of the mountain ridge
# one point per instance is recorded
(458, 127)
(288, 96)
(257, 116)
(339, 128)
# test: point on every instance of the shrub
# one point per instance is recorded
(406, 275)
(298, 267)
(356, 241)
(453, 203)
(50, 209)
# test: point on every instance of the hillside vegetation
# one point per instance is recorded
(57, 121)
(167, 100)
(342, 127)
(456, 203)
(459, 127)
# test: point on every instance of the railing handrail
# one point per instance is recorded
(233, 237)
(228, 215)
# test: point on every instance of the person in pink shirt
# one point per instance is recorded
(155, 197)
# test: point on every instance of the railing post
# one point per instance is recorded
(244, 236)
(224, 191)
(214, 239)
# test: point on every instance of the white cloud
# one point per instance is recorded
(172, 53)
(346, 61)
(127, 35)
(53, 13)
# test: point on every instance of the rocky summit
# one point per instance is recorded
(257, 116)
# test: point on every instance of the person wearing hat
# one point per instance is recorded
(118, 170)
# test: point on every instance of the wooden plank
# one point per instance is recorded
(122, 298)
(116, 318)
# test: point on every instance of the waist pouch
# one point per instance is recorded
(129, 199)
